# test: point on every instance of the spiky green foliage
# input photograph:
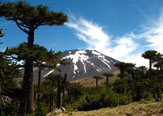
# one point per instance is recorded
(22, 52)
(48, 92)
(8, 71)
(74, 92)
(137, 89)
(151, 55)
(53, 59)
(123, 67)
(8, 87)
(28, 18)
(142, 71)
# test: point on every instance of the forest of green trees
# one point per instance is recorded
(22, 98)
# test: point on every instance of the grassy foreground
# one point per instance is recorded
(141, 108)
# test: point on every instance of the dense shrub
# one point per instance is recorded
(138, 89)
(74, 92)
(41, 110)
(101, 98)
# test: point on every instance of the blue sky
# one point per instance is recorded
(122, 29)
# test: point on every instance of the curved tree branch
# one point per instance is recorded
(24, 30)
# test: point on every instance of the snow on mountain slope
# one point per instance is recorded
(78, 56)
(83, 63)
(86, 63)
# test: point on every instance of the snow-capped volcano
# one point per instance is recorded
(83, 63)
(86, 63)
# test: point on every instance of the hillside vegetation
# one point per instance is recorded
(90, 82)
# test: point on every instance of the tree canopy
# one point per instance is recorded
(30, 17)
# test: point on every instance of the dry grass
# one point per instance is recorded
(133, 109)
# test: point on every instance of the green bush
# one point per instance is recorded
(138, 89)
(101, 98)
(41, 110)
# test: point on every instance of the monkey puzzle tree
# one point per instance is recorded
(129, 68)
(107, 77)
(53, 78)
(151, 55)
(21, 53)
(120, 65)
(28, 18)
(74, 92)
(42, 59)
(142, 71)
(40, 62)
(123, 67)
(8, 71)
(97, 78)
(53, 60)
(159, 65)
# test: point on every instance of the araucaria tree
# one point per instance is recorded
(123, 67)
(151, 55)
(142, 71)
(28, 18)
(8, 72)
(97, 79)
(21, 52)
(107, 78)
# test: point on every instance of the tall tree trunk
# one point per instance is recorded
(122, 72)
(150, 68)
(51, 96)
(38, 87)
(22, 107)
(121, 76)
(29, 75)
(107, 82)
(158, 74)
(96, 82)
(30, 88)
(51, 103)
(64, 84)
(59, 93)
(27, 97)
(142, 73)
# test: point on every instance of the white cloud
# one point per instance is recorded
(125, 48)
(154, 34)
(90, 33)
(99, 40)
(136, 59)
